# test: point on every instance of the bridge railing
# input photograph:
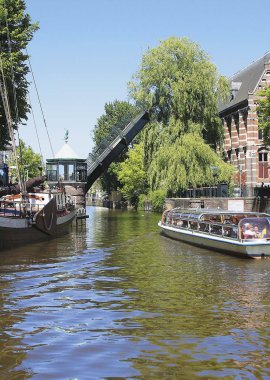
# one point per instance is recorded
(94, 159)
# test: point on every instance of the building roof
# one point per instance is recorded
(245, 82)
(66, 152)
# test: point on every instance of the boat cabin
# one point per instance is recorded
(227, 224)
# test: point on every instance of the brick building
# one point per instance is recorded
(243, 145)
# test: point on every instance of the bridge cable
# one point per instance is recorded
(36, 130)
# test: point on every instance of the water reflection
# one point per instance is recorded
(117, 299)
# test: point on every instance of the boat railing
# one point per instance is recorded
(19, 209)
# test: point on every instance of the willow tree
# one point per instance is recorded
(181, 88)
(16, 30)
(186, 162)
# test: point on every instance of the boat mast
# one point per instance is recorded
(6, 105)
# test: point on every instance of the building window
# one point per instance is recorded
(71, 176)
(61, 172)
(263, 165)
(260, 134)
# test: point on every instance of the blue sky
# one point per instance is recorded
(86, 51)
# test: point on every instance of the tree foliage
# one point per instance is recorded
(263, 111)
(132, 175)
(181, 88)
(30, 163)
(187, 162)
(117, 115)
(16, 30)
(176, 79)
(155, 197)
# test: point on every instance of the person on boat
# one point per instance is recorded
(235, 221)
(257, 233)
(248, 232)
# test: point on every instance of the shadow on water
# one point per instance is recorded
(115, 299)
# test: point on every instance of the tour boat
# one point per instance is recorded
(245, 234)
(32, 217)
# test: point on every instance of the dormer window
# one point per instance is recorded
(235, 86)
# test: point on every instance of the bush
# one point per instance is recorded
(142, 200)
(156, 198)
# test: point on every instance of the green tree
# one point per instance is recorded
(30, 163)
(263, 111)
(16, 30)
(132, 175)
(117, 115)
(186, 163)
(181, 88)
(176, 79)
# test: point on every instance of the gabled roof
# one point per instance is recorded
(247, 80)
(66, 152)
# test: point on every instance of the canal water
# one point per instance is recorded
(115, 299)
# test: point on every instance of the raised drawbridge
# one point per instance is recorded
(97, 164)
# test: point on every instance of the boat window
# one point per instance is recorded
(184, 223)
(212, 217)
(176, 221)
(216, 229)
(204, 226)
(184, 215)
(254, 228)
(193, 216)
(193, 225)
(179, 223)
(230, 231)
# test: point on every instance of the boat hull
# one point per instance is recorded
(257, 249)
(17, 232)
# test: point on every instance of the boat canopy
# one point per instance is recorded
(218, 216)
(255, 228)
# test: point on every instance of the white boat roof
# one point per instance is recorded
(202, 211)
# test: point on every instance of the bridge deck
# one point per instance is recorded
(116, 147)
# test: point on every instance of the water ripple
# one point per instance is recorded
(114, 299)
